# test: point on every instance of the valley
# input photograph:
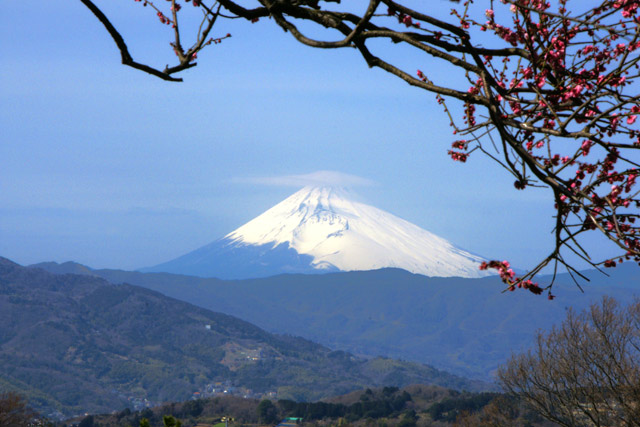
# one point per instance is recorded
(464, 326)
(73, 344)
(74, 339)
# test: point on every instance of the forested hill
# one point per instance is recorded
(79, 344)
(464, 326)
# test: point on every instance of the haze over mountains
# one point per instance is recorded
(465, 326)
(322, 229)
(76, 343)
(102, 340)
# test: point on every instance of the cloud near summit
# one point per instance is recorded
(311, 179)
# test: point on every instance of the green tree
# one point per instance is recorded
(267, 412)
(87, 421)
(409, 419)
(170, 421)
(193, 408)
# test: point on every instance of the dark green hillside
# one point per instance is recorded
(465, 326)
(80, 344)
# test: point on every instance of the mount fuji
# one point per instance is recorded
(322, 229)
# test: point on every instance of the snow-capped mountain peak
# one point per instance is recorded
(304, 220)
(325, 223)
(321, 229)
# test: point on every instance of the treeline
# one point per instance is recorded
(391, 406)
(450, 408)
(389, 403)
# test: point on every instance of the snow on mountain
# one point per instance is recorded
(321, 229)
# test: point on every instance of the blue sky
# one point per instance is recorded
(110, 167)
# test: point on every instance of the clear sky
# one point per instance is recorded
(110, 167)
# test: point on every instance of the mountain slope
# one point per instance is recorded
(80, 344)
(320, 229)
(465, 326)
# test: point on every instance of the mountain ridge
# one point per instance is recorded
(319, 230)
(77, 343)
(465, 326)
